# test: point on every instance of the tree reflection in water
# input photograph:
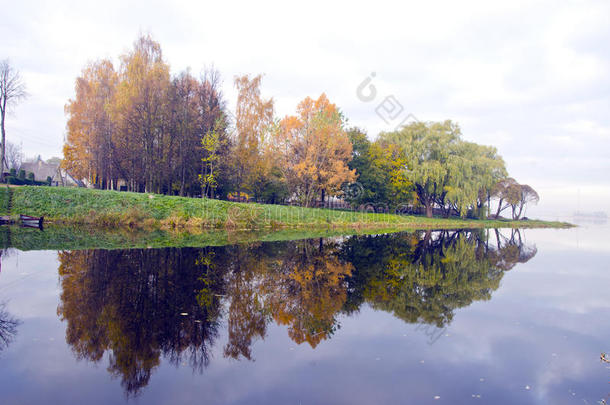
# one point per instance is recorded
(8, 323)
(8, 327)
(140, 305)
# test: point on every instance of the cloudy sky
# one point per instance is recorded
(529, 77)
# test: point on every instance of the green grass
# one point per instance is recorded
(112, 209)
(4, 201)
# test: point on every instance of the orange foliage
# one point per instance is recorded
(315, 149)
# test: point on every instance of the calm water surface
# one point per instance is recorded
(440, 317)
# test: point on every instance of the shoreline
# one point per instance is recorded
(106, 209)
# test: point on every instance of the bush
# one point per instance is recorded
(31, 176)
(21, 174)
(24, 182)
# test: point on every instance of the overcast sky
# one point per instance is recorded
(531, 78)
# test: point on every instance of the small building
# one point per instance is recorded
(43, 170)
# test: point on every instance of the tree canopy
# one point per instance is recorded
(138, 128)
(445, 170)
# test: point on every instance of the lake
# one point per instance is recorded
(497, 316)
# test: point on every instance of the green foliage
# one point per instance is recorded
(270, 188)
(381, 179)
(17, 181)
(210, 143)
(446, 171)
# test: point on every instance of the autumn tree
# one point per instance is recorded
(216, 144)
(12, 91)
(198, 137)
(144, 128)
(89, 152)
(315, 150)
(253, 120)
(141, 111)
(181, 162)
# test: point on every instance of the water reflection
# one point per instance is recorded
(8, 323)
(8, 327)
(140, 305)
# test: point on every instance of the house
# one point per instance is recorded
(43, 170)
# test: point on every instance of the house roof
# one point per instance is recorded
(41, 169)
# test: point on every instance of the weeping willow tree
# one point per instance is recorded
(445, 170)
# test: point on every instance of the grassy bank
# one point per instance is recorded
(111, 209)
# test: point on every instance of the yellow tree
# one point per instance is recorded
(253, 120)
(315, 150)
(141, 113)
(88, 151)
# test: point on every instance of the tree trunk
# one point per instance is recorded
(3, 146)
(499, 207)
(447, 211)
(520, 211)
(488, 206)
(429, 209)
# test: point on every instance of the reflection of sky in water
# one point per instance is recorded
(543, 329)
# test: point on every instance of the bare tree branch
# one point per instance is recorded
(12, 91)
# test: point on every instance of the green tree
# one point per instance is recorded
(473, 171)
(428, 147)
(210, 143)
(446, 171)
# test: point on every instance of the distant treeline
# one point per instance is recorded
(138, 128)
